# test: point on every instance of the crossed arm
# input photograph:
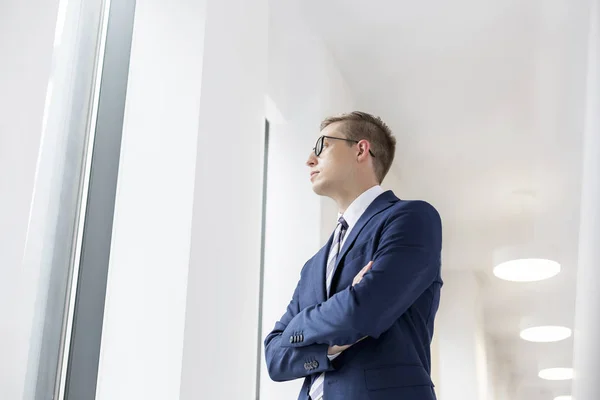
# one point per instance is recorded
(285, 363)
(405, 264)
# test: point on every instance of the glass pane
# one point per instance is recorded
(60, 186)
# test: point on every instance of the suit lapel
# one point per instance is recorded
(381, 203)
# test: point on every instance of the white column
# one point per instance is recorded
(26, 44)
(587, 318)
(462, 365)
(185, 253)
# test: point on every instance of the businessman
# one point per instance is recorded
(360, 322)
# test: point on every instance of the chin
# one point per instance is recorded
(319, 189)
(319, 193)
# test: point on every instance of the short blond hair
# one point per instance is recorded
(358, 125)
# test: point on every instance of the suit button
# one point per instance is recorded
(315, 364)
(302, 337)
(291, 339)
(306, 366)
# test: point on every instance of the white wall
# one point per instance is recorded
(221, 321)
(500, 384)
(26, 44)
(462, 363)
(306, 86)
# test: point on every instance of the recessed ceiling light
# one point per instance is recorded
(563, 398)
(546, 334)
(556, 374)
(527, 270)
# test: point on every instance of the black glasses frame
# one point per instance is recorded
(318, 149)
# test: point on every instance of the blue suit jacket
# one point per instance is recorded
(394, 305)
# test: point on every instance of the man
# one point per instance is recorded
(360, 322)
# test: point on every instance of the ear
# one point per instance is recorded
(363, 149)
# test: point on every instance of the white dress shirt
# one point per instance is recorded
(358, 207)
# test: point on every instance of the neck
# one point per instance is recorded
(345, 198)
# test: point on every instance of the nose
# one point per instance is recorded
(312, 160)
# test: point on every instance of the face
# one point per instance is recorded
(333, 170)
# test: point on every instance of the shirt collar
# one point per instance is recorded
(360, 205)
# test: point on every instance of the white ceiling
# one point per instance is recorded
(486, 100)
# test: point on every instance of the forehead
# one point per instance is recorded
(335, 129)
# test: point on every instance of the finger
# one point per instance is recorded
(366, 268)
(363, 270)
(361, 273)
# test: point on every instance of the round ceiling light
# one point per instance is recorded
(527, 269)
(556, 374)
(563, 398)
(546, 334)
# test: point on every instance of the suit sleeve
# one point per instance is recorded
(287, 363)
(406, 263)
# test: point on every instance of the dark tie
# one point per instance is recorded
(336, 245)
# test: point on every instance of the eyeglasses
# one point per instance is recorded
(321, 142)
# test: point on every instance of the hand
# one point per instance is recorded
(338, 349)
(362, 273)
